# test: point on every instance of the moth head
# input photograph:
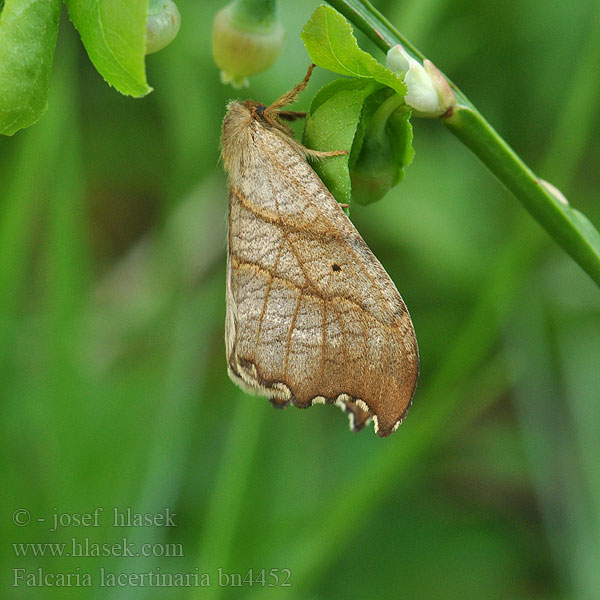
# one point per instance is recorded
(242, 117)
(270, 116)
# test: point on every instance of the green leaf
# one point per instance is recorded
(331, 44)
(337, 110)
(28, 30)
(114, 35)
(331, 125)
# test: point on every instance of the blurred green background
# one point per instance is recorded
(112, 372)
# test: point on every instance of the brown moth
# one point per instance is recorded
(312, 316)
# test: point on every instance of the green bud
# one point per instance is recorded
(162, 24)
(247, 39)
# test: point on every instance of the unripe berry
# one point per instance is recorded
(162, 24)
(247, 39)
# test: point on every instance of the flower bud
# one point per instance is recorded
(428, 91)
(554, 191)
(247, 39)
(162, 24)
(446, 97)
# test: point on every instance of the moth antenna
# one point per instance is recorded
(290, 96)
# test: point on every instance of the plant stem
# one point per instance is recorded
(259, 12)
(567, 226)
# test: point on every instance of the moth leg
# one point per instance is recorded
(272, 114)
(291, 115)
(324, 154)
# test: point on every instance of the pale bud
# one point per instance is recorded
(162, 24)
(428, 92)
(554, 191)
(245, 42)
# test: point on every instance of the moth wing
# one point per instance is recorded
(312, 316)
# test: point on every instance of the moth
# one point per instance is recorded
(312, 316)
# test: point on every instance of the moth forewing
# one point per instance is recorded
(312, 316)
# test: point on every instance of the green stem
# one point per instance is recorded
(256, 12)
(373, 24)
(567, 226)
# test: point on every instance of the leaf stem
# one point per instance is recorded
(383, 113)
(262, 12)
